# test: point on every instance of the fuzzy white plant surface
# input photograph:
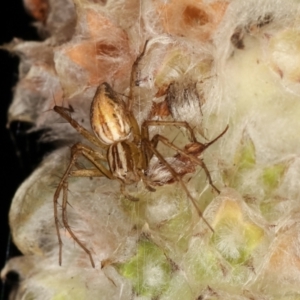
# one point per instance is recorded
(209, 63)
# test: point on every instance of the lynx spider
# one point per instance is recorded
(128, 149)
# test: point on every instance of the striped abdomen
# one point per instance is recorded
(124, 161)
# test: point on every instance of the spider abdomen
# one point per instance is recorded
(124, 161)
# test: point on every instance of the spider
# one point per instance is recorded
(125, 148)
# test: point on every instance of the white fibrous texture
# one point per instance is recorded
(208, 63)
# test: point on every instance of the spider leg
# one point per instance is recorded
(206, 145)
(65, 113)
(55, 201)
(145, 133)
(193, 158)
(149, 123)
(93, 156)
(67, 226)
(86, 173)
(133, 76)
(179, 179)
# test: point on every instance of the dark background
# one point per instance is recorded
(20, 152)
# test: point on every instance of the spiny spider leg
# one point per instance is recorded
(56, 221)
(148, 123)
(145, 134)
(133, 76)
(91, 155)
(55, 200)
(189, 156)
(206, 145)
(67, 226)
(179, 179)
(64, 112)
